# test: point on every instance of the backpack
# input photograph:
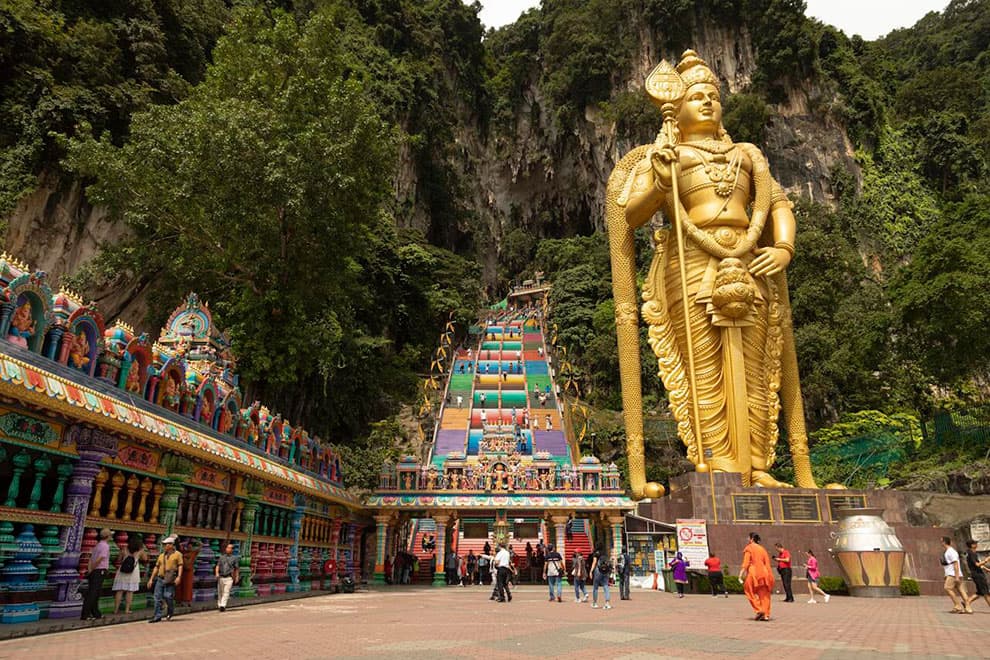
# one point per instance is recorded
(127, 566)
(620, 563)
(604, 565)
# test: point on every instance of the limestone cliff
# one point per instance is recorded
(531, 171)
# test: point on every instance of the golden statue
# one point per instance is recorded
(727, 358)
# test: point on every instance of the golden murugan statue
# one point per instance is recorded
(726, 358)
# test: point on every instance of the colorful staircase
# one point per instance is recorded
(424, 527)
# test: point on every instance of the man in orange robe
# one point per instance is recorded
(757, 577)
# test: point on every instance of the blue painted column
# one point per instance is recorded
(294, 530)
(93, 446)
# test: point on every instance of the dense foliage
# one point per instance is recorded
(266, 190)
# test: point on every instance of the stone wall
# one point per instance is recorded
(691, 497)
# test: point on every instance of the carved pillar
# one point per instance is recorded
(6, 312)
(381, 543)
(616, 524)
(158, 490)
(21, 461)
(64, 471)
(133, 482)
(93, 446)
(560, 540)
(42, 465)
(101, 478)
(55, 340)
(295, 534)
(116, 483)
(441, 520)
(247, 588)
(142, 510)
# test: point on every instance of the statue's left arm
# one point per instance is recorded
(776, 259)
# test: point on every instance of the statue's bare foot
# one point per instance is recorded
(764, 480)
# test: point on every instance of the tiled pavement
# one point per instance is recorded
(457, 622)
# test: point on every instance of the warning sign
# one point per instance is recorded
(692, 541)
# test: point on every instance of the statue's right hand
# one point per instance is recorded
(661, 159)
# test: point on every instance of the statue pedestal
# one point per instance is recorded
(799, 518)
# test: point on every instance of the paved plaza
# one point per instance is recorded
(424, 623)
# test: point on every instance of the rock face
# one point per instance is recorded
(56, 230)
(531, 173)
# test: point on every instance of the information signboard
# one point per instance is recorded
(692, 541)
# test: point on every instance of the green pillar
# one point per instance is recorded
(246, 589)
(381, 544)
(179, 470)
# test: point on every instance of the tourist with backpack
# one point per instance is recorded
(601, 571)
(579, 572)
(128, 577)
(553, 572)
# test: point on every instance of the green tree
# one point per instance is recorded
(942, 296)
(264, 191)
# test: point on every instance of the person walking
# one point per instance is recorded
(977, 572)
(472, 567)
(954, 585)
(504, 570)
(812, 575)
(783, 559)
(99, 564)
(166, 574)
(716, 579)
(579, 572)
(624, 573)
(128, 577)
(757, 577)
(679, 566)
(601, 570)
(553, 571)
(452, 566)
(227, 572)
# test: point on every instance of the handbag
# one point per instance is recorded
(170, 576)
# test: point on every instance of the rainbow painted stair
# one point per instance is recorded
(501, 467)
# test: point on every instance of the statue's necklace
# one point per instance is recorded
(721, 171)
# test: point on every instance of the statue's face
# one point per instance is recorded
(701, 108)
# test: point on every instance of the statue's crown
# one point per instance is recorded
(693, 69)
(667, 84)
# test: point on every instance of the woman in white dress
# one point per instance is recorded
(125, 584)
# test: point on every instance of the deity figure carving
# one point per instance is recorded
(715, 299)
(171, 398)
(22, 325)
(133, 382)
(79, 350)
(206, 410)
(226, 421)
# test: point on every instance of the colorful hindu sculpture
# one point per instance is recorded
(79, 350)
(716, 297)
(133, 382)
(172, 394)
(22, 325)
